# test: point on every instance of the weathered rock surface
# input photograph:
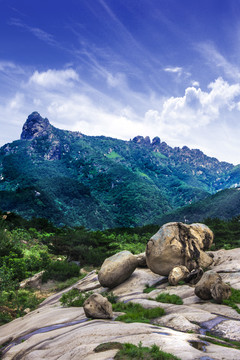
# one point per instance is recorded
(117, 268)
(53, 332)
(211, 286)
(33, 282)
(98, 307)
(177, 322)
(179, 244)
(141, 259)
(177, 274)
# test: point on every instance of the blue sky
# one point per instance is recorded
(166, 68)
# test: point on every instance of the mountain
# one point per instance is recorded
(223, 205)
(101, 182)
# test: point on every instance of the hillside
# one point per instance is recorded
(223, 205)
(100, 182)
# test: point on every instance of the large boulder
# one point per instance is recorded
(179, 244)
(97, 307)
(211, 286)
(117, 268)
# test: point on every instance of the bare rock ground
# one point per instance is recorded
(54, 332)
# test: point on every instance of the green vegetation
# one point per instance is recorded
(148, 289)
(217, 340)
(129, 351)
(136, 313)
(74, 298)
(101, 182)
(167, 298)
(233, 300)
(108, 346)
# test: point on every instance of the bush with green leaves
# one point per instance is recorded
(167, 298)
(14, 302)
(60, 271)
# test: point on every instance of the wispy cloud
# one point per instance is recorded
(209, 51)
(175, 69)
(37, 32)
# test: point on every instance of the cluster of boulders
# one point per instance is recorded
(177, 251)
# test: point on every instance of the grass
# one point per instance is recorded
(74, 298)
(69, 282)
(148, 289)
(129, 351)
(167, 298)
(217, 340)
(233, 300)
(136, 313)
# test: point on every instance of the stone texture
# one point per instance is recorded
(211, 286)
(177, 274)
(98, 307)
(117, 268)
(177, 322)
(69, 336)
(33, 282)
(179, 244)
(141, 259)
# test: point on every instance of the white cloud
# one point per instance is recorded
(199, 118)
(195, 83)
(54, 78)
(176, 69)
(214, 57)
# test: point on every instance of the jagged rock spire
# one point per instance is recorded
(35, 126)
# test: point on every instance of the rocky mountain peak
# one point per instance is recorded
(35, 126)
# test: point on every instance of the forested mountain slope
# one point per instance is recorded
(102, 182)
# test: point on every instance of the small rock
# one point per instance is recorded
(220, 291)
(98, 307)
(177, 274)
(141, 259)
(211, 286)
(116, 269)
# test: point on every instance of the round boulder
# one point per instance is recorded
(117, 268)
(97, 307)
(178, 244)
(177, 274)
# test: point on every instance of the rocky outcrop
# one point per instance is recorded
(35, 126)
(177, 274)
(211, 286)
(33, 282)
(98, 307)
(179, 244)
(117, 268)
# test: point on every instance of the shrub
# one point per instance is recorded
(61, 271)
